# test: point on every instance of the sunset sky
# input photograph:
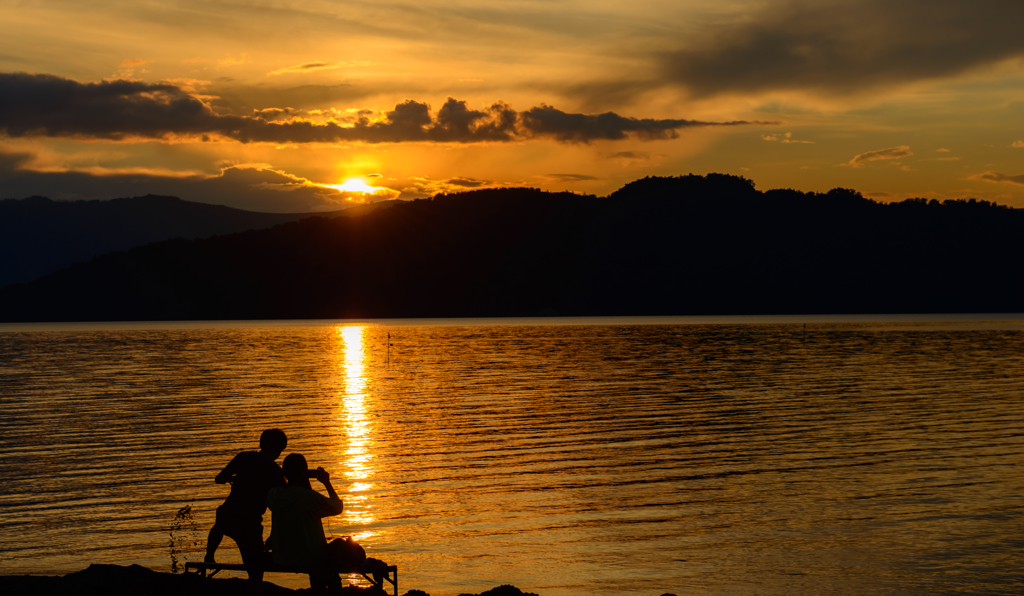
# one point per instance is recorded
(274, 105)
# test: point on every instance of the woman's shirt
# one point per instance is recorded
(297, 536)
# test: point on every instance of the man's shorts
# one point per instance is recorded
(245, 530)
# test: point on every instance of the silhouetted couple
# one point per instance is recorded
(296, 534)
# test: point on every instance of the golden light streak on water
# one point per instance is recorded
(358, 459)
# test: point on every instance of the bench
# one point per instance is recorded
(391, 575)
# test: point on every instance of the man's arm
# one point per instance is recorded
(228, 473)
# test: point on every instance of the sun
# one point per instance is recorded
(356, 185)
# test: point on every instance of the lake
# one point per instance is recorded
(719, 456)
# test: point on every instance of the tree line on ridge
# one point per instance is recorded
(682, 245)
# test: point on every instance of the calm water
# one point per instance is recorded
(693, 456)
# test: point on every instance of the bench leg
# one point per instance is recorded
(385, 577)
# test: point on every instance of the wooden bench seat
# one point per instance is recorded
(391, 576)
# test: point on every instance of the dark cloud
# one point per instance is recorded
(546, 121)
(279, 113)
(45, 105)
(628, 158)
(12, 162)
(456, 121)
(254, 189)
(601, 94)
(568, 177)
(467, 182)
(847, 46)
(306, 67)
(997, 177)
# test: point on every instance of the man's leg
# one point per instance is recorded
(333, 584)
(250, 545)
(316, 584)
(216, 535)
(212, 542)
(324, 582)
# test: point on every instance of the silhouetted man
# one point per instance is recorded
(252, 474)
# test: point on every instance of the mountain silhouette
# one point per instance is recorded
(39, 236)
(658, 246)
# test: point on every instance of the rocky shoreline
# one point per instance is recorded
(135, 580)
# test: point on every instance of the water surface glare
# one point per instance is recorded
(751, 457)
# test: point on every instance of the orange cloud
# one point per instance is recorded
(315, 66)
(786, 138)
(881, 154)
(420, 187)
(129, 63)
(232, 61)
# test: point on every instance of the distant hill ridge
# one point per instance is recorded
(39, 236)
(658, 246)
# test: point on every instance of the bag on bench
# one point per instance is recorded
(345, 553)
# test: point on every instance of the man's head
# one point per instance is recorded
(273, 442)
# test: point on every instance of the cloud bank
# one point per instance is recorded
(51, 106)
(847, 46)
(254, 188)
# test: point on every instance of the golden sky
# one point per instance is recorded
(272, 105)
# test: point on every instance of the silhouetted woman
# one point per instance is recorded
(297, 536)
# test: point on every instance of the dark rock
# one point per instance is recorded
(135, 580)
(503, 590)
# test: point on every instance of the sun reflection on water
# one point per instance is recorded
(358, 459)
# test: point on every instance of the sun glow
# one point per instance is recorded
(356, 185)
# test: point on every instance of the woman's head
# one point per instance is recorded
(296, 471)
